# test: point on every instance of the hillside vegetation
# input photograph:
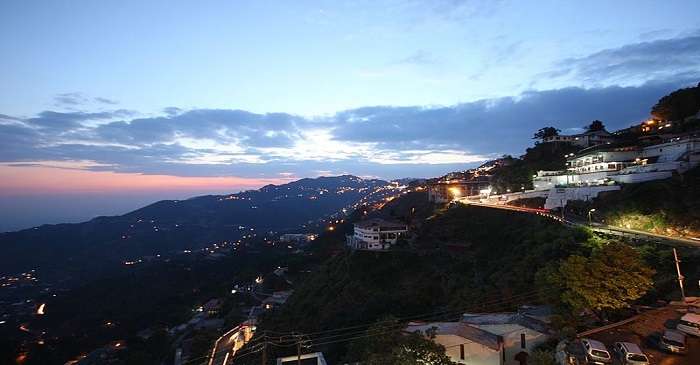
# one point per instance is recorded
(670, 206)
(463, 258)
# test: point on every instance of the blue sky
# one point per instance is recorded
(255, 90)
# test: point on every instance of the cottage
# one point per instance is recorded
(587, 139)
(376, 234)
(464, 344)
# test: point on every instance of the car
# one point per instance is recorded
(630, 354)
(596, 352)
(671, 341)
(690, 324)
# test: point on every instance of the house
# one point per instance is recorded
(587, 139)
(491, 338)
(376, 234)
(298, 237)
(464, 344)
(609, 164)
(212, 307)
(315, 358)
(276, 299)
(520, 332)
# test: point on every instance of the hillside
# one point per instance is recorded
(65, 251)
(464, 256)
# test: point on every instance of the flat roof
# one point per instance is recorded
(460, 329)
(378, 222)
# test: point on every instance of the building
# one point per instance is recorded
(315, 358)
(298, 237)
(491, 338)
(212, 307)
(276, 299)
(445, 191)
(520, 332)
(610, 164)
(376, 234)
(587, 139)
(464, 344)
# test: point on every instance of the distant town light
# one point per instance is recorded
(40, 310)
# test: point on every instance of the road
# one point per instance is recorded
(596, 227)
(226, 346)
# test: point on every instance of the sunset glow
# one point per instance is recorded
(28, 180)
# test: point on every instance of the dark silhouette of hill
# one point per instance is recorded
(70, 250)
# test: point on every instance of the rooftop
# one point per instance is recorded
(458, 329)
(378, 222)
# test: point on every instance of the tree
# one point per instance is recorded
(386, 344)
(678, 105)
(595, 126)
(611, 278)
(542, 357)
(545, 132)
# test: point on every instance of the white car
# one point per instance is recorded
(596, 352)
(630, 354)
(690, 324)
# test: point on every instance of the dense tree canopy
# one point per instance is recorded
(611, 278)
(385, 344)
(595, 125)
(546, 132)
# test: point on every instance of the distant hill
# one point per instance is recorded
(69, 250)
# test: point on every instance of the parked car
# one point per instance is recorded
(670, 341)
(570, 353)
(690, 324)
(596, 352)
(630, 354)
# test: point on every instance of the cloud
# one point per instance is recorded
(379, 141)
(105, 101)
(74, 99)
(419, 58)
(633, 64)
(70, 99)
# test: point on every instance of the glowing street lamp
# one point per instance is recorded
(589, 216)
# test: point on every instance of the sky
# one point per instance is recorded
(106, 106)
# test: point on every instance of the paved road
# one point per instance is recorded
(596, 227)
(226, 346)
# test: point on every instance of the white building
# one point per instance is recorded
(464, 344)
(376, 234)
(608, 164)
(490, 338)
(520, 332)
(587, 139)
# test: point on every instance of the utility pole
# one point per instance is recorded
(299, 352)
(680, 276)
(561, 203)
(264, 354)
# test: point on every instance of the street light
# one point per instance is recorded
(589, 216)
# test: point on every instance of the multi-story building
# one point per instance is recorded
(587, 139)
(606, 164)
(376, 234)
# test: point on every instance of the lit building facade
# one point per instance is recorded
(376, 234)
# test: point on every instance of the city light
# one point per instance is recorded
(40, 310)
